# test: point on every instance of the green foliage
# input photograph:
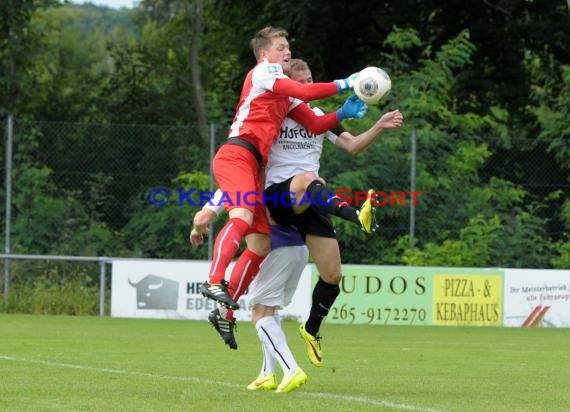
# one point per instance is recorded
(473, 248)
(426, 93)
(562, 260)
(17, 42)
(159, 232)
(562, 247)
(461, 219)
(39, 212)
(162, 231)
(551, 91)
(44, 296)
(67, 71)
(47, 221)
(565, 213)
(402, 40)
(509, 224)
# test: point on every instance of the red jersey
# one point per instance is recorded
(261, 111)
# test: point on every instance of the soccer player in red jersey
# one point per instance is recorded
(267, 97)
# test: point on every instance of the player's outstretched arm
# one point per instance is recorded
(356, 144)
(305, 92)
(312, 91)
(353, 107)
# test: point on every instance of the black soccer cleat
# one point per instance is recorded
(224, 327)
(219, 293)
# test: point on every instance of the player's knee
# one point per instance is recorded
(258, 244)
(262, 249)
(302, 181)
(309, 177)
(255, 316)
(260, 311)
(243, 214)
(333, 277)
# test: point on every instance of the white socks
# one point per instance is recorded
(274, 346)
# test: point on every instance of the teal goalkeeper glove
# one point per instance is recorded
(353, 107)
(346, 84)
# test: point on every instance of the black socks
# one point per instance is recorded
(325, 200)
(324, 295)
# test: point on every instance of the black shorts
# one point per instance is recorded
(313, 221)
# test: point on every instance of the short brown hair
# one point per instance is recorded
(263, 38)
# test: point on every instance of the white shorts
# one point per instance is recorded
(278, 276)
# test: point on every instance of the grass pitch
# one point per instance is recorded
(60, 363)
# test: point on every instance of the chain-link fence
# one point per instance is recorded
(101, 175)
(81, 190)
(85, 190)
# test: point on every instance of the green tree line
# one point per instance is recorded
(108, 104)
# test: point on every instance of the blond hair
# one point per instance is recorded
(298, 65)
(264, 37)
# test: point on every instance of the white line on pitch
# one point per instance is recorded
(343, 398)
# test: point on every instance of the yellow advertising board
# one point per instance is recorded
(463, 299)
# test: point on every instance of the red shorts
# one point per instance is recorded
(237, 174)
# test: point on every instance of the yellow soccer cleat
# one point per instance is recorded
(291, 382)
(366, 215)
(268, 382)
(313, 346)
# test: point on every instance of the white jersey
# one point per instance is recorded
(295, 151)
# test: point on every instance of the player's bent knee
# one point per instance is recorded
(308, 178)
(261, 250)
(258, 243)
(301, 181)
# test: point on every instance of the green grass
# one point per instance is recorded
(63, 363)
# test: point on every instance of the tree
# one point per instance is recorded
(16, 40)
(194, 60)
(162, 231)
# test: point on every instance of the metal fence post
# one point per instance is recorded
(212, 153)
(413, 189)
(102, 284)
(7, 231)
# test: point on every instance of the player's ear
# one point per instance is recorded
(263, 53)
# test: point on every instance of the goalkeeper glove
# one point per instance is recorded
(352, 107)
(345, 84)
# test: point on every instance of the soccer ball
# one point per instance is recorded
(372, 84)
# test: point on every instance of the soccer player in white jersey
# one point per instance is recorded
(293, 167)
(271, 290)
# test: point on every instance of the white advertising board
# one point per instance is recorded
(537, 297)
(169, 289)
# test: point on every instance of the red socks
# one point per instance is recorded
(226, 247)
(246, 267)
(243, 272)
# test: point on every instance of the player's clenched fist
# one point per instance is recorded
(201, 221)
